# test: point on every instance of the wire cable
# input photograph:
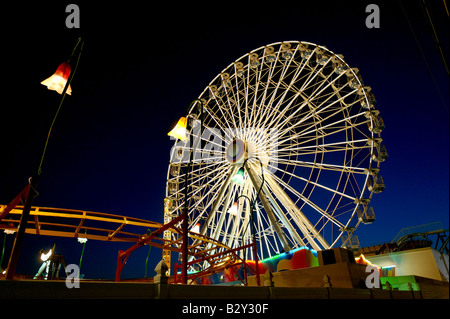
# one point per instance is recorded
(445, 5)
(423, 56)
(435, 36)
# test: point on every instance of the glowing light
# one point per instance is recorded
(390, 266)
(239, 177)
(363, 261)
(290, 252)
(82, 240)
(179, 131)
(196, 228)
(58, 80)
(9, 231)
(233, 209)
(45, 257)
(223, 262)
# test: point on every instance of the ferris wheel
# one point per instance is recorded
(286, 139)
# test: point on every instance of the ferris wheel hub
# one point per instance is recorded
(237, 151)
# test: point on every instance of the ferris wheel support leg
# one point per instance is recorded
(309, 230)
(281, 215)
(268, 209)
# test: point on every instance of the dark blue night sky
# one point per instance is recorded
(142, 65)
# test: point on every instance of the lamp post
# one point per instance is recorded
(148, 254)
(179, 132)
(6, 232)
(61, 79)
(81, 240)
(240, 177)
(252, 230)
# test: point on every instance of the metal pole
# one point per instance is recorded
(254, 243)
(18, 241)
(185, 247)
(81, 258)
(3, 251)
(17, 246)
(186, 181)
(255, 249)
(185, 221)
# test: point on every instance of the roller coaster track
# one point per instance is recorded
(442, 239)
(60, 222)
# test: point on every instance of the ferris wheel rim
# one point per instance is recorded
(353, 213)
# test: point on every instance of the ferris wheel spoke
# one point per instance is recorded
(256, 87)
(323, 134)
(349, 144)
(203, 174)
(317, 113)
(245, 102)
(323, 166)
(323, 106)
(287, 88)
(218, 123)
(215, 222)
(306, 199)
(311, 150)
(307, 83)
(266, 234)
(225, 107)
(325, 147)
(308, 100)
(234, 220)
(232, 100)
(262, 111)
(334, 191)
(338, 129)
(195, 193)
(311, 75)
(200, 173)
(320, 88)
(218, 199)
(202, 199)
